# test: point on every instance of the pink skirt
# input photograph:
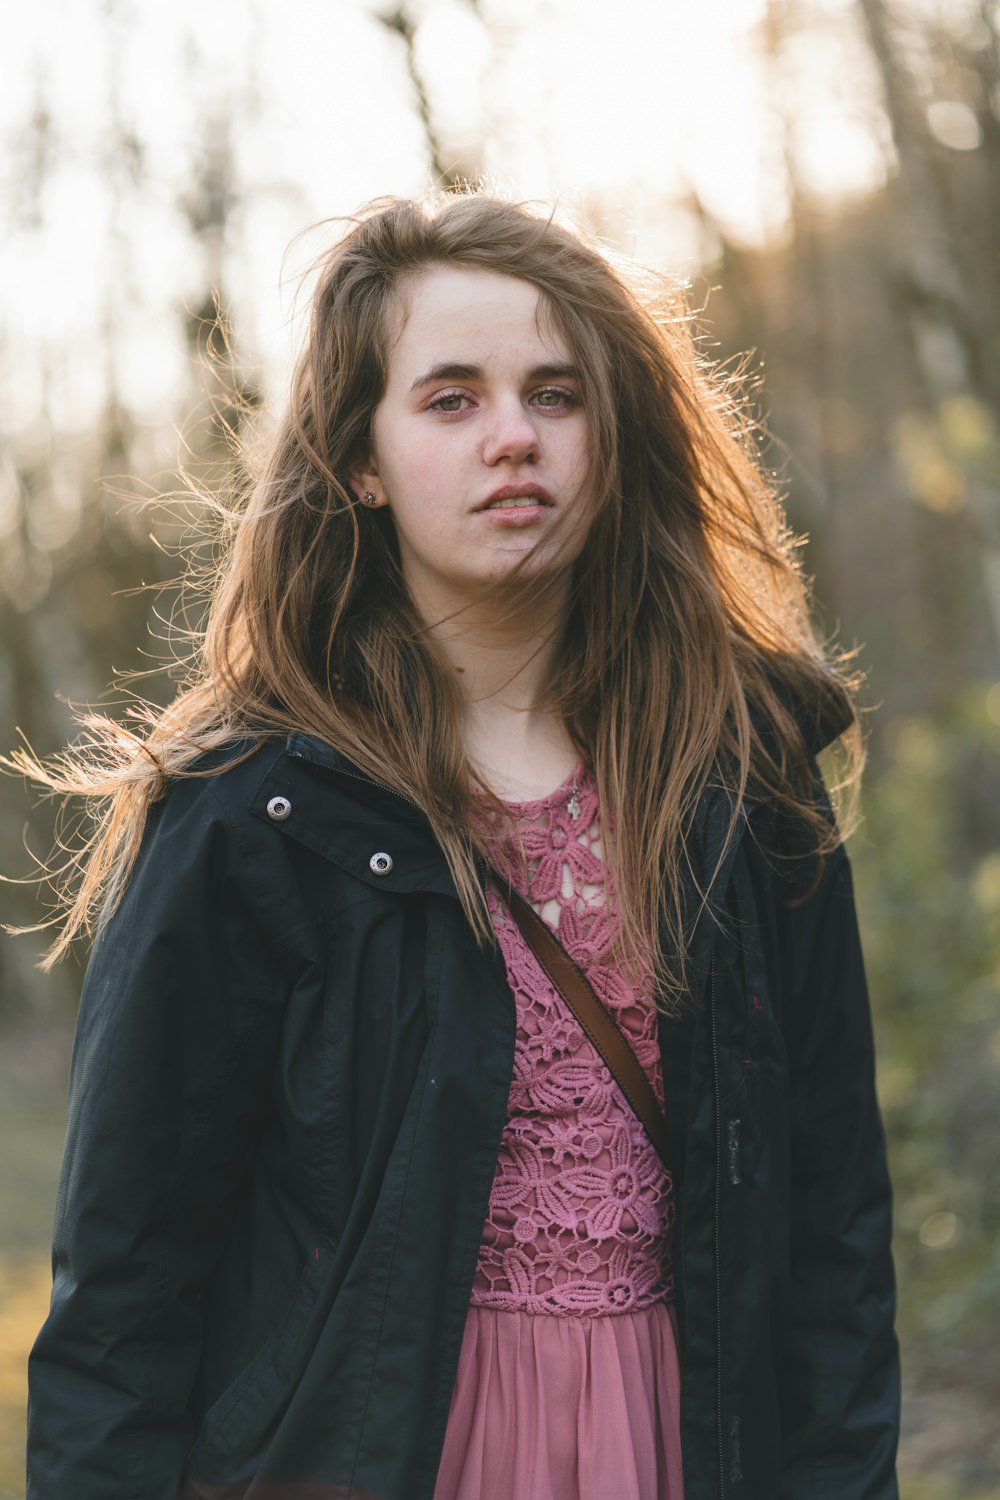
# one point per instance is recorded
(564, 1408)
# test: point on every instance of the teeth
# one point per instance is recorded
(507, 504)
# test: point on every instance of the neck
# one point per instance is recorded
(501, 654)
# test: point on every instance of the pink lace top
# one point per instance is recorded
(581, 1207)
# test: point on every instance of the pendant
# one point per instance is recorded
(573, 805)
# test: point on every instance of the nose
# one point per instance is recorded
(511, 435)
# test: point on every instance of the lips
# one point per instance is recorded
(536, 493)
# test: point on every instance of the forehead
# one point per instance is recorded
(471, 316)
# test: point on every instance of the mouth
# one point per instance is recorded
(521, 503)
(517, 497)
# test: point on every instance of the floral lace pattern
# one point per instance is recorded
(581, 1207)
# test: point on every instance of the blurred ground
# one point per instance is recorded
(32, 1120)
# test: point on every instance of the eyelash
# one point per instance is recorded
(568, 399)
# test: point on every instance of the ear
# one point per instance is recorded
(364, 479)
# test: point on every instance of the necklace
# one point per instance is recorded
(573, 805)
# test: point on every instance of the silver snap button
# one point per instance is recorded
(380, 864)
(278, 808)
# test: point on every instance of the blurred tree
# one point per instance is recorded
(929, 895)
(448, 170)
(942, 266)
(78, 555)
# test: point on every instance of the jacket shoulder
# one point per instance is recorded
(224, 776)
(230, 764)
(821, 707)
(200, 834)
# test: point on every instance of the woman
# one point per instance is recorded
(351, 1204)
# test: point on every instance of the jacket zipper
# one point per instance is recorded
(718, 1252)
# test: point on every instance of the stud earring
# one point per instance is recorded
(370, 498)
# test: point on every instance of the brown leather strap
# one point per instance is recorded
(599, 1025)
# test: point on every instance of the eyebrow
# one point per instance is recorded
(453, 371)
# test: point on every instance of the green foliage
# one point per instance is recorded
(927, 866)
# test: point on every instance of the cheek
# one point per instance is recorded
(577, 460)
(578, 446)
(584, 458)
(419, 487)
(585, 505)
(415, 463)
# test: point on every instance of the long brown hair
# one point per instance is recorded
(688, 638)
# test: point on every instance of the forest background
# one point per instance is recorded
(825, 177)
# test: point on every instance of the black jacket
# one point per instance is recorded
(288, 1087)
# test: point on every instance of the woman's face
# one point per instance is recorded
(482, 404)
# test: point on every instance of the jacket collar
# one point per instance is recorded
(311, 750)
(313, 794)
(343, 828)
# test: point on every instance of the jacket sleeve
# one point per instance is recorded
(839, 1370)
(168, 1083)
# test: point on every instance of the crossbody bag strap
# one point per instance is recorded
(599, 1025)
